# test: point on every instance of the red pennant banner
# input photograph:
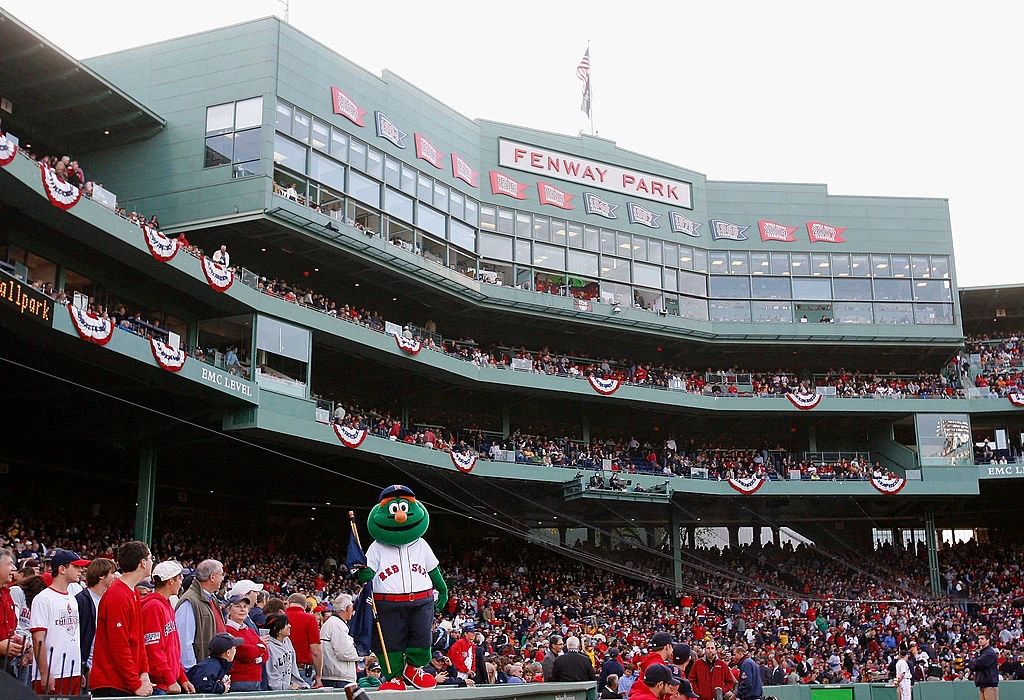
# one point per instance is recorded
(347, 107)
(805, 402)
(61, 194)
(773, 231)
(889, 485)
(350, 437)
(503, 184)
(604, 386)
(8, 149)
(219, 276)
(426, 151)
(549, 194)
(747, 485)
(91, 327)
(823, 233)
(463, 462)
(409, 345)
(162, 247)
(462, 170)
(167, 357)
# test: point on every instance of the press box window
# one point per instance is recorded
(233, 136)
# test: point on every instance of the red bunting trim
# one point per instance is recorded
(8, 149)
(220, 277)
(167, 357)
(90, 326)
(162, 247)
(1016, 399)
(748, 485)
(463, 462)
(350, 437)
(889, 485)
(805, 402)
(61, 194)
(409, 345)
(607, 387)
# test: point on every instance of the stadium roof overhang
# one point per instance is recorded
(57, 104)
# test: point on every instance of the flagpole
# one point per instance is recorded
(373, 604)
(591, 79)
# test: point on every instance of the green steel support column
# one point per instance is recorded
(812, 438)
(691, 537)
(405, 416)
(506, 421)
(734, 537)
(677, 553)
(586, 429)
(933, 553)
(146, 494)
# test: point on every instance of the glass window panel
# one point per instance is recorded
(524, 251)
(558, 232)
(944, 439)
(780, 263)
(247, 145)
(607, 241)
(246, 169)
(648, 299)
(440, 196)
(541, 228)
(339, 145)
(771, 311)
(300, 125)
(849, 288)
(398, 205)
(218, 150)
(327, 171)
(840, 265)
(488, 219)
(696, 309)
(408, 180)
(719, 262)
(880, 266)
(357, 155)
(940, 267)
(504, 221)
(800, 263)
(364, 189)
(321, 135)
(685, 257)
(812, 288)
(375, 164)
(623, 244)
(933, 314)
(852, 312)
(639, 248)
(919, 266)
(430, 220)
(591, 238)
(894, 314)
(425, 190)
(524, 225)
(220, 119)
(548, 256)
(860, 266)
(671, 279)
(575, 235)
(901, 266)
(932, 290)
(284, 117)
(463, 236)
(771, 288)
(433, 250)
(457, 205)
(821, 264)
(739, 263)
(693, 284)
(616, 269)
(471, 207)
(670, 254)
(700, 260)
(892, 290)
(730, 288)
(392, 172)
(494, 246)
(612, 293)
(759, 264)
(654, 251)
(581, 263)
(647, 275)
(730, 311)
(249, 113)
(289, 154)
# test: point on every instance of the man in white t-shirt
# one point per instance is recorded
(904, 675)
(55, 629)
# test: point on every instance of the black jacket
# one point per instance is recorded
(86, 623)
(986, 668)
(572, 666)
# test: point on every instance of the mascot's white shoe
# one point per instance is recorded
(418, 678)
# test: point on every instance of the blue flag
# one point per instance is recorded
(361, 624)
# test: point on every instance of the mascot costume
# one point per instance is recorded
(405, 574)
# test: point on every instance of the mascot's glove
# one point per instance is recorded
(441, 587)
(364, 574)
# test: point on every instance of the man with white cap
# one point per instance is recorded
(339, 649)
(160, 634)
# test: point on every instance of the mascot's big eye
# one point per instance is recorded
(398, 506)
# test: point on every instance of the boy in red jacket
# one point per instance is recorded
(160, 632)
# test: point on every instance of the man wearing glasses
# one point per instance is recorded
(198, 615)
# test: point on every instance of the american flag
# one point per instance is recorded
(583, 73)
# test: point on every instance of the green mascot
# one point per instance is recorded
(405, 575)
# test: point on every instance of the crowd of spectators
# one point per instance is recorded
(807, 615)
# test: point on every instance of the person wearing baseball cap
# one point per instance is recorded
(247, 589)
(163, 646)
(55, 630)
(658, 683)
(212, 674)
(659, 651)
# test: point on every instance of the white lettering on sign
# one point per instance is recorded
(227, 383)
(565, 166)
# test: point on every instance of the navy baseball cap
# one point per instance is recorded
(659, 673)
(396, 490)
(660, 639)
(223, 641)
(686, 689)
(681, 653)
(65, 557)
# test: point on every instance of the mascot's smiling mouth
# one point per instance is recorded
(400, 528)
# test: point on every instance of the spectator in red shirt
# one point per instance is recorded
(9, 644)
(710, 672)
(120, 663)
(163, 648)
(306, 640)
(247, 667)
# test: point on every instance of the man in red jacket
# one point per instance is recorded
(160, 632)
(658, 683)
(710, 672)
(120, 664)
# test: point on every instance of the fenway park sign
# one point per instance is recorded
(565, 166)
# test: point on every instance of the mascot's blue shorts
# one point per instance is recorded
(405, 625)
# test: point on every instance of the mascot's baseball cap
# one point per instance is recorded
(396, 490)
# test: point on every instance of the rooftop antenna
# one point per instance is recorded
(285, 3)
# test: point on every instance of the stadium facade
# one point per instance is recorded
(310, 169)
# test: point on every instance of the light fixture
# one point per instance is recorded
(357, 284)
(106, 132)
(617, 309)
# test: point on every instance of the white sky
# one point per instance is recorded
(873, 98)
